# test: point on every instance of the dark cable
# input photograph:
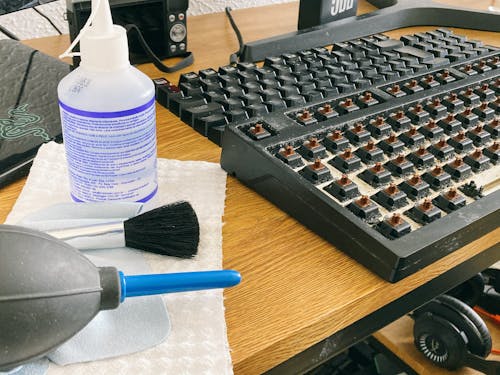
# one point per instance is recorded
(8, 33)
(235, 56)
(48, 19)
(187, 58)
(25, 78)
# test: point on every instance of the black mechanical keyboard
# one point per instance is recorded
(387, 148)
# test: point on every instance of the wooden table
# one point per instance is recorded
(297, 291)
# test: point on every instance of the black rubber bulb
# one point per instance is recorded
(48, 292)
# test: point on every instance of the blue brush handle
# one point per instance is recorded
(145, 285)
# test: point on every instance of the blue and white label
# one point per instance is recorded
(111, 155)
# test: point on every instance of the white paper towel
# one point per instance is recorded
(198, 340)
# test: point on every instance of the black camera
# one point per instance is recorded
(162, 24)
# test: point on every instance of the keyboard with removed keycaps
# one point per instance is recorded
(387, 148)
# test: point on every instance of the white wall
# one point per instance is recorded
(27, 24)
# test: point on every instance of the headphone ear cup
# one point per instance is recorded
(468, 321)
(439, 341)
(469, 291)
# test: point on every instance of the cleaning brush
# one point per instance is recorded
(172, 230)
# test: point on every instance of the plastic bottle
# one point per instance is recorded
(108, 117)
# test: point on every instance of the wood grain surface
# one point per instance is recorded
(297, 289)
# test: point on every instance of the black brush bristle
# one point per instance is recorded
(168, 230)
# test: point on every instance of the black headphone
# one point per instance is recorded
(451, 334)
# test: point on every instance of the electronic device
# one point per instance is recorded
(387, 148)
(451, 334)
(162, 24)
(29, 111)
(392, 14)
(317, 12)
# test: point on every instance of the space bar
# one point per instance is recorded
(422, 56)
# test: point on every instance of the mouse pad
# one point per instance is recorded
(29, 111)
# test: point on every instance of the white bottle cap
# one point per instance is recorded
(103, 46)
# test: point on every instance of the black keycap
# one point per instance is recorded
(251, 98)
(252, 86)
(208, 74)
(213, 96)
(190, 114)
(236, 115)
(233, 91)
(274, 104)
(294, 100)
(190, 77)
(210, 84)
(437, 62)
(256, 109)
(203, 124)
(165, 91)
(265, 73)
(190, 89)
(231, 103)
(176, 104)
(346, 88)
(312, 95)
(228, 70)
(388, 44)
(228, 81)
(215, 134)
(269, 94)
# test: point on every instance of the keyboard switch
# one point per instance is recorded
(477, 160)
(305, 118)
(450, 201)
(343, 189)
(493, 127)
(458, 169)
(391, 198)
(493, 152)
(479, 136)
(335, 142)
(326, 112)
(312, 149)
(399, 121)
(378, 127)
(449, 124)
(370, 153)
(376, 175)
(290, 157)
(437, 178)
(258, 132)
(441, 149)
(460, 142)
(316, 172)
(394, 227)
(391, 145)
(425, 212)
(358, 134)
(364, 208)
(346, 162)
(415, 188)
